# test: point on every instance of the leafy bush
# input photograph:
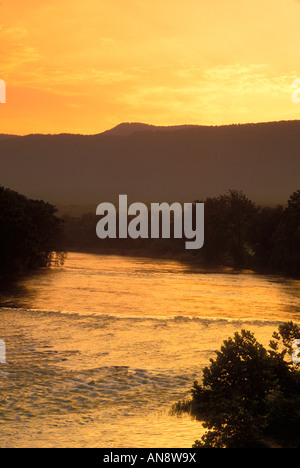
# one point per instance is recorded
(29, 233)
(249, 396)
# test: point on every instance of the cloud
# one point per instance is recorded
(16, 52)
(227, 93)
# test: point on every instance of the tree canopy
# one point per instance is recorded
(249, 396)
(30, 233)
(238, 234)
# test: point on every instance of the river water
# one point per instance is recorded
(98, 350)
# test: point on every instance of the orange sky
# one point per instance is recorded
(85, 66)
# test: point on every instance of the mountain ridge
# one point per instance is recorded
(154, 164)
(127, 128)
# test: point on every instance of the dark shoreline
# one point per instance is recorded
(187, 260)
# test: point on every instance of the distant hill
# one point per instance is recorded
(149, 163)
(4, 136)
(129, 128)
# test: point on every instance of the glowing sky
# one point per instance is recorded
(85, 66)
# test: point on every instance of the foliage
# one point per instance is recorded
(30, 233)
(229, 222)
(249, 396)
(238, 234)
(286, 239)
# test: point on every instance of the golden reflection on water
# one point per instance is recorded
(90, 284)
(100, 349)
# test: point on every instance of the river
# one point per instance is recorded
(99, 349)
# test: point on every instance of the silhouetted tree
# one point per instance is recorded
(30, 233)
(229, 225)
(249, 396)
(286, 249)
(238, 234)
(267, 221)
(240, 223)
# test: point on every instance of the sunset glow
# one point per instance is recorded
(84, 67)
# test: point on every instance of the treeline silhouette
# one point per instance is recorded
(238, 234)
(30, 233)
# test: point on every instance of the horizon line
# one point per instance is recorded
(175, 126)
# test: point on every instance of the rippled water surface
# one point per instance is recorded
(100, 349)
